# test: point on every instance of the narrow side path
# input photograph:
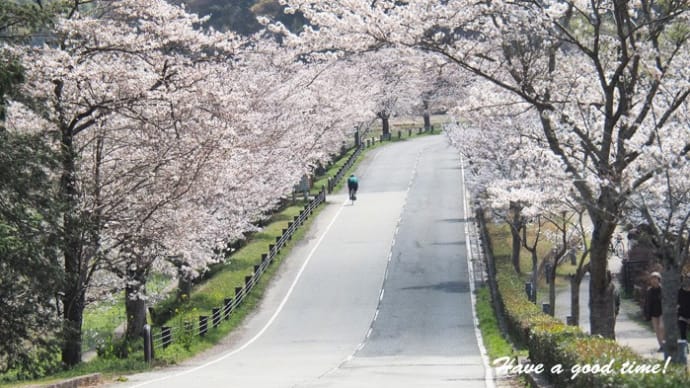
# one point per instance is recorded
(630, 332)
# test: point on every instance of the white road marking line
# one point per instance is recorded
(488, 374)
(270, 321)
(385, 276)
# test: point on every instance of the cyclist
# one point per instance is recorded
(352, 186)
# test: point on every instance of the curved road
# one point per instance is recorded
(377, 295)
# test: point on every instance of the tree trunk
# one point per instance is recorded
(515, 226)
(575, 281)
(601, 317)
(385, 125)
(515, 252)
(73, 303)
(535, 275)
(669, 301)
(184, 279)
(426, 115)
(73, 250)
(552, 287)
(184, 288)
(135, 301)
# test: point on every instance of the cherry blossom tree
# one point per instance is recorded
(542, 204)
(396, 84)
(663, 204)
(510, 168)
(601, 77)
(316, 104)
(117, 78)
(441, 89)
(489, 164)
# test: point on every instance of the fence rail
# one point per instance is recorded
(490, 260)
(332, 182)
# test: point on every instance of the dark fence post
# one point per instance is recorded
(203, 325)
(216, 316)
(528, 290)
(227, 306)
(166, 336)
(546, 308)
(682, 352)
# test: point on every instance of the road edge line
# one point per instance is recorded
(488, 375)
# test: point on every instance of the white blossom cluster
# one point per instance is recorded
(181, 138)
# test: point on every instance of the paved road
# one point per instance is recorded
(376, 296)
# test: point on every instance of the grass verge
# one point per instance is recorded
(494, 341)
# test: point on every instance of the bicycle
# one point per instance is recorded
(353, 196)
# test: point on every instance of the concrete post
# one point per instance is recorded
(148, 344)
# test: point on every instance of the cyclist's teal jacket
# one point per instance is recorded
(352, 182)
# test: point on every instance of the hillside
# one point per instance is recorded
(240, 15)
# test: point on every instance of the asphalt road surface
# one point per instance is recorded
(377, 295)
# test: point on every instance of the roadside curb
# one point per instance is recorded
(537, 381)
(91, 380)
